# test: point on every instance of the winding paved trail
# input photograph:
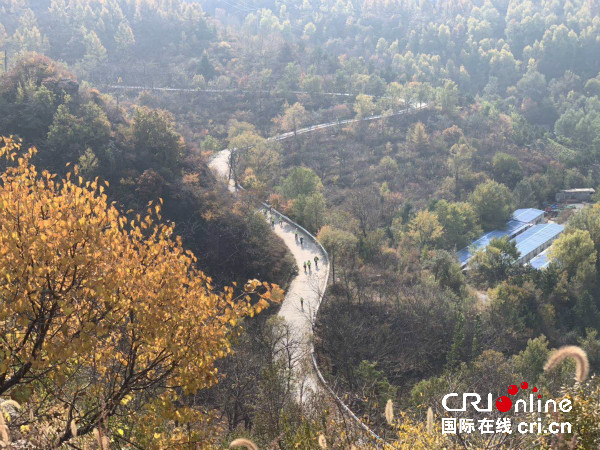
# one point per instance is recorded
(309, 286)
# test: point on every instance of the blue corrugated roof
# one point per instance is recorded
(527, 215)
(536, 236)
(541, 261)
(482, 242)
(517, 226)
(513, 227)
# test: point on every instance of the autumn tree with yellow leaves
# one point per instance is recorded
(105, 322)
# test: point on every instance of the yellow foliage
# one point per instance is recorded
(424, 228)
(98, 310)
(414, 436)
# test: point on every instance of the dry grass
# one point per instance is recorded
(389, 411)
(582, 366)
(322, 442)
(430, 421)
(5, 442)
(245, 443)
(73, 428)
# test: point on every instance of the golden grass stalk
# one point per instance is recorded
(3, 427)
(97, 436)
(322, 442)
(73, 427)
(4, 434)
(389, 411)
(430, 421)
(4, 431)
(246, 443)
(582, 366)
(12, 403)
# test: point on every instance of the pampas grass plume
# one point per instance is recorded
(12, 403)
(5, 436)
(96, 434)
(247, 443)
(430, 420)
(3, 427)
(389, 411)
(3, 431)
(322, 442)
(582, 366)
(73, 428)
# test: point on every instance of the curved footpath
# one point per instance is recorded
(309, 286)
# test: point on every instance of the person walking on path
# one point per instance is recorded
(304, 267)
(316, 262)
(308, 264)
(272, 223)
(301, 242)
(302, 303)
(296, 235)
(281, 221)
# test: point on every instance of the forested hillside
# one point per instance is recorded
(140, 153)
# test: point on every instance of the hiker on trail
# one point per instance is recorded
(301, 241)
(280, 221)
(316, 262)
(296, 235)
(305, 267)
(272, 223)
(308, 264)
(302, 303)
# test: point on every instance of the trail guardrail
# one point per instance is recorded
(323, 288)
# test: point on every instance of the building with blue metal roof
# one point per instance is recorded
(522, 220)
(529, 215)
(513, 228)
(536, 239)
(541, 261)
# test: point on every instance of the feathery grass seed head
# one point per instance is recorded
(246, 443)
(4, 435)
(96, 434)
(322, 442)
(430, 420)
(582, 366)
(73, 427)
(12, 403)
(389, 411)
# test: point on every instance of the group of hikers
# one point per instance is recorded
(308, 264)
(299, 239)
(269, 211)
(280, 221)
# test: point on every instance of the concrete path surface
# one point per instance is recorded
(309, 286)
(304, 294)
